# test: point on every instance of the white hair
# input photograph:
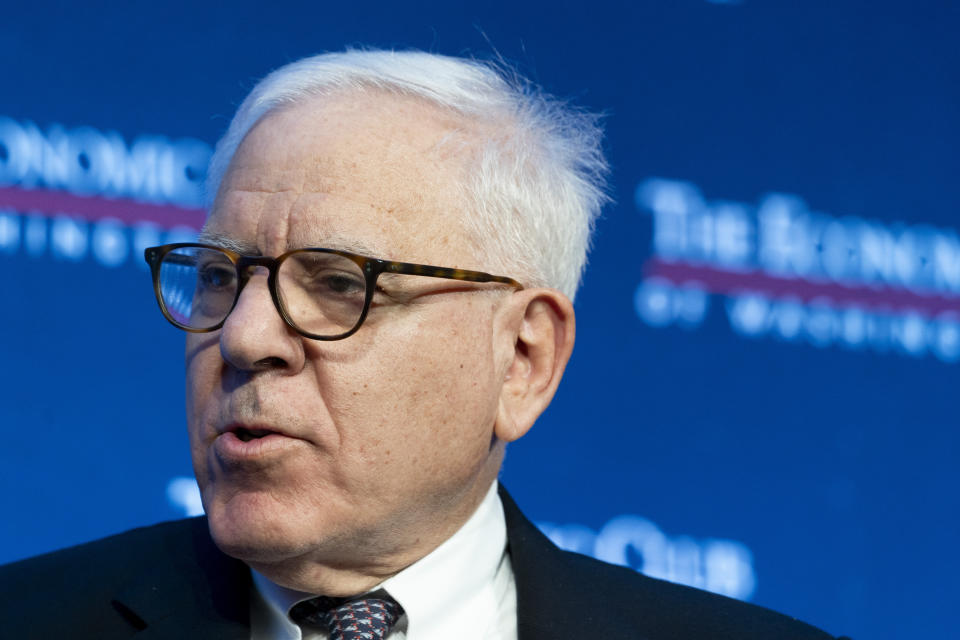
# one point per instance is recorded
(536, 184)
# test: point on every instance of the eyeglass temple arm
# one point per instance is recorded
(408, 268)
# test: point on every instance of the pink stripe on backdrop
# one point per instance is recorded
(718, 280)
(95, 208)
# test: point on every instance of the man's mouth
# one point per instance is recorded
(246, 435)
(253, 444)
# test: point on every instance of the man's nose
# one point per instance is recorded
(254, 336)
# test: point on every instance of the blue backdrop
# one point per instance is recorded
(762, 397)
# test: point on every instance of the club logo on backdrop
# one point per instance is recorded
(81, 193)
(778, 270)
(720, 566)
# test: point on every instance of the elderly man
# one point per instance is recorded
(379, 302)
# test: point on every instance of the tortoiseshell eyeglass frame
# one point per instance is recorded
(371, 267)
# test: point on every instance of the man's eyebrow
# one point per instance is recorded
(342, 243)
(226, 242)
(335, 241)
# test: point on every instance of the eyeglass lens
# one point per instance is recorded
(322, 293)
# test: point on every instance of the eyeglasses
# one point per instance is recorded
(322, 294)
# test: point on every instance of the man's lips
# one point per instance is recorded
(238, 443)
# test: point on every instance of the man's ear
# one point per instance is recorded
(543, 329)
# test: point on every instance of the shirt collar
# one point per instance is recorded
(456, 587)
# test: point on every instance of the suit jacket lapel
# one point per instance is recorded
(561, 595)
(547, 603)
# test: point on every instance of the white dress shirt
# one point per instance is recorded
(463, 589)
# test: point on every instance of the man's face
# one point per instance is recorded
(379, 443)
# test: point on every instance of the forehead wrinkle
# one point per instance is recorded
(273, 230)
(307, 223)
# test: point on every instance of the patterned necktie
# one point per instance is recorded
(367, 618)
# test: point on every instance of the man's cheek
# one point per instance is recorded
(201, 375)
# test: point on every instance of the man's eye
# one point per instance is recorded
(216, 277)
(339, 283)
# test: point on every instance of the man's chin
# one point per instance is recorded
(253, 533)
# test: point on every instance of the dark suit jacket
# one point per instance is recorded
(171, 581)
